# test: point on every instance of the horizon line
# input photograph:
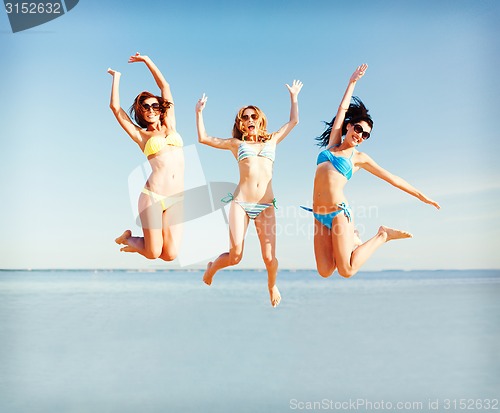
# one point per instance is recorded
(226, 269)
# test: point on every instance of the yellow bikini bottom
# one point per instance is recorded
(165, 200)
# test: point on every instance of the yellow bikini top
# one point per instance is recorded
(156, 143)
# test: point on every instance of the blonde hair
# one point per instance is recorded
(261, 125)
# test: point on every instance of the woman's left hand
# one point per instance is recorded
(137, 58)
(295, 88)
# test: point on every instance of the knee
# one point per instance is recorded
(235, 257)
(270, 260)
(168, 255)
(346, 272)
(153, 252)
(169, 252)
(325, 271)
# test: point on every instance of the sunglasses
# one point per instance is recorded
(253, 116)
(154, 106)
(359, 130)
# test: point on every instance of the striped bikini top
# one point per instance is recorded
(246, 150)
(340, 163)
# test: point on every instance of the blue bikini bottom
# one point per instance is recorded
(327, 219)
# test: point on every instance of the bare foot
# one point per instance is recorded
(394, 233)
(357, 240)
(209, 275)
(122, 239)
(128, 248)
(275, 296)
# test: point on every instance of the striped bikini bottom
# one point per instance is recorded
(251, 209)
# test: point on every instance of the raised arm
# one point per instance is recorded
(158, 76)
(202, 133)
(160, 81)
(120, 115)
(294, 111)
(368, 164)
(336, 133)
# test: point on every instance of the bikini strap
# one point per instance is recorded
(346, 209)
(228, 198)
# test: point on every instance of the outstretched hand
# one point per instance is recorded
(113, 72)
(137, 58)
(295, 88)
(200, 105)
(429, 201)
(359, 72)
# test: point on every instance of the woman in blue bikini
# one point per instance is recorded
(335, 243)
(253, 199)
(160, 201)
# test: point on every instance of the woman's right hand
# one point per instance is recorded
(359, 72)
(113, 72)
(429, 201)
(200, 105)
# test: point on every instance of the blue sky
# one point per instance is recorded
(431, 87)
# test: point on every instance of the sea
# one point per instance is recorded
(126, 341)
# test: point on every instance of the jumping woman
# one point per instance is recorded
(253, 200)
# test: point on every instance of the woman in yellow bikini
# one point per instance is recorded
(253, 199)
(160, 202)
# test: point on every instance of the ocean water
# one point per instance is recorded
(141, 342)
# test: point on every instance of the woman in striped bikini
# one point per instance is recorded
(253, 199)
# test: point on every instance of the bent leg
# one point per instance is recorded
(172, 229)
(149, 246)
(265, 225)
(348, 261)
(323, 250)
(238, 224)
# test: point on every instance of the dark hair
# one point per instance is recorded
(137, 111)
(357, 112)
(238, 131)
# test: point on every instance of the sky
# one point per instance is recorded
(431, 87)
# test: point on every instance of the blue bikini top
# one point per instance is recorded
(246, 150)
(340, 163)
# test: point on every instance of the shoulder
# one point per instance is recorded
(235, 141)
(361, 156)
(272, 138)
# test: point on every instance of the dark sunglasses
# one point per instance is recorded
(253, 116)
(359, 130)
(154, 106)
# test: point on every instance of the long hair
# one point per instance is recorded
(357, 112)
(137, 111)
(260, 125)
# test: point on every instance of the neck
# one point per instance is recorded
(344, 145)
(154, 126)
(251, 138)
